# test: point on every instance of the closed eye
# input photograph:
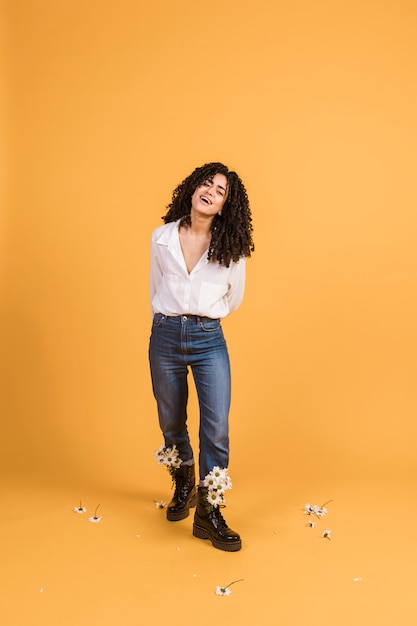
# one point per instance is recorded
(209, 183)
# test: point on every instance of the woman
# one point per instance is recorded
(197, 278)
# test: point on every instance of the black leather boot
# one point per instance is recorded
(209, 523)
(185, 495)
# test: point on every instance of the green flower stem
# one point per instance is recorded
(235, 581)
(326, 503)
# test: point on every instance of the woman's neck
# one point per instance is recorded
(200, 226)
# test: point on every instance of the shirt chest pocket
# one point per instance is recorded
(212, 299)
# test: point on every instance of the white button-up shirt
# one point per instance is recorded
(209, 290)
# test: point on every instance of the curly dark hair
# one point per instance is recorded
(231, 232)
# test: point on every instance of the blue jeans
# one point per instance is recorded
(177, 344)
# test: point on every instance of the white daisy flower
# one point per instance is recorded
(315, 509)
(209, 482)
(160, 505)
(311, 524)
(216, 477)
(94, 518)
(169, 457)
(160, 454)
(80, 509)
(223, 591)
(219, 474)
(214, 498)
(327, 534)
(217, 482)
(320, 511)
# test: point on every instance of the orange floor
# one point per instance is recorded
(134, 567)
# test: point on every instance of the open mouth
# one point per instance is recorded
(205, 200)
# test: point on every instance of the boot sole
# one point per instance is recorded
(227, 546)
(176, 516)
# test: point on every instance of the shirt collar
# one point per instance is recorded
(170, 237)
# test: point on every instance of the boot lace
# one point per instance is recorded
(182, 487)
(217, 514)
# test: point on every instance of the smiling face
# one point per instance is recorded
(209, 198)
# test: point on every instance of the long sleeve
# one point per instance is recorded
(236, 285)
(156, 270)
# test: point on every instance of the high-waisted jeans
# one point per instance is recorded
(177, 344)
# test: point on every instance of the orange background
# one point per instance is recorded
(107, 106)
